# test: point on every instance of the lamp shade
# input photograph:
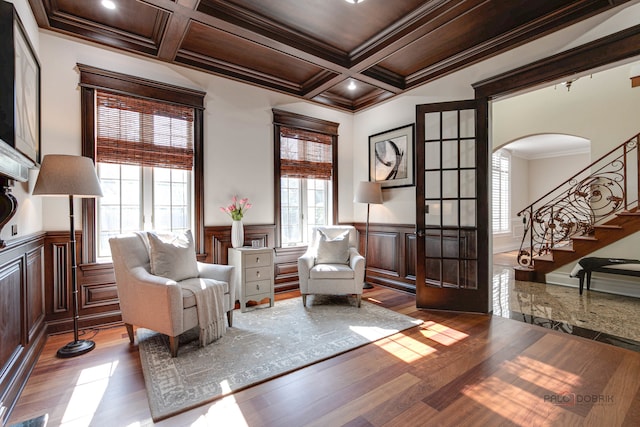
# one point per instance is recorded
(63, 175)
(369, 192)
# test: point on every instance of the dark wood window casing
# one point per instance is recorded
(94, 80)
(321, 133)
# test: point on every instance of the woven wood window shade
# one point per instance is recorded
(137, 131)
(305, 154)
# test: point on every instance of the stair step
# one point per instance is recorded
(588, 238)
(628, 213)
(563, 249)
(608, 227)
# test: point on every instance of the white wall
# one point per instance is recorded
(238, 130)
(546, 174)
(602, 108)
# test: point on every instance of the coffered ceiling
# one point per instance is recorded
(316, 49)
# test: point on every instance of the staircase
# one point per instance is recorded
(592, 209)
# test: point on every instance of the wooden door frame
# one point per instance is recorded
(621, 46)
(473, 300)
(606, 51)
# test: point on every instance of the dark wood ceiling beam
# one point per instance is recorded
(381, 74)
(620, 46)
(428, 18)
(285, 46)
(317, 90)
(320, 79)
(386, 85)
(241, 74)
(532, 30)
(176, 29)
(229, 17)
(40, 13)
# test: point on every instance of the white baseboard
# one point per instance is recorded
(609, 283)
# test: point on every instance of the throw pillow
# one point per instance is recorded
(333, 251)
(173, 256)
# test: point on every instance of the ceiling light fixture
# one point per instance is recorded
(108, 4)
(354, 1)
(352, 85)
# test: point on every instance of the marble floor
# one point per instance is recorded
(613, 319)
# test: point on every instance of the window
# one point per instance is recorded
(144, 154)
(501, 197)
(146, 140)
(305, 181)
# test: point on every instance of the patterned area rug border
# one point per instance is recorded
(262, 344)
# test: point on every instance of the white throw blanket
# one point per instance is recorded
(210, 306)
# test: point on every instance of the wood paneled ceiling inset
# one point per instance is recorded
(122, 27)
(245, 57)
(313, 48)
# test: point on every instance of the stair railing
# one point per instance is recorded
(589, 198)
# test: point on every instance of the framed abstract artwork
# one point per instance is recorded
(391, 156)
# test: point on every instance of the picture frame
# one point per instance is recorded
(20, 87)
(391, 157)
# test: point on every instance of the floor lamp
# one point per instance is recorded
(370, 193)
(72, 176)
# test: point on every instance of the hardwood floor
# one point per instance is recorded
(454, 370)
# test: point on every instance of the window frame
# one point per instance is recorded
(293, 120)
(507, 155)
(92, 79)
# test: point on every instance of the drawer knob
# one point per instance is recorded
(258, 287)
(257, 259)
(258, 273)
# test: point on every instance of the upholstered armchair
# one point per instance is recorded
(157, 302)
(332, 265)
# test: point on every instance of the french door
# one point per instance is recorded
(452, 206)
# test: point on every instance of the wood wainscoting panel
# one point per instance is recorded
(286, 268)
(97, 295)
(10, 303)
(98, 285)
(22, 315)
(35, 291)
(391, 254)
(217, 240)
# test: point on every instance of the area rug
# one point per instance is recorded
(262, 344)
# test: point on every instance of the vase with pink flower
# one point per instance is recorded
(236, 211)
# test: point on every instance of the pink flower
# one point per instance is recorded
(237, 208)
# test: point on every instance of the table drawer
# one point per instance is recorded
(257, 260)
(260, 287)
(257, 273)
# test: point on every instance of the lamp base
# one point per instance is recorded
(367, 285)
(76, 348)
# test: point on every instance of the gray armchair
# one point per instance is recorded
(323, 270)
(155, 302)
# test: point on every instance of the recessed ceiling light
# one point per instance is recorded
(108, 4)
(352, 85)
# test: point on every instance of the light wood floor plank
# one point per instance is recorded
(456, 369)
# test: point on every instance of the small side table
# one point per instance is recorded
(253, 274)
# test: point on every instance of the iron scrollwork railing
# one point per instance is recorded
(592, 196)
